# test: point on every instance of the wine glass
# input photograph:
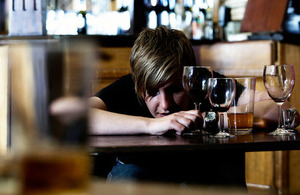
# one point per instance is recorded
(194, 81)
(279, 81)
(221, 93)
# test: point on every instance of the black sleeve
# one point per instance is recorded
(120, 97)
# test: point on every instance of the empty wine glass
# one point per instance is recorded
(279, 81)
(194, 81)
(221, 92)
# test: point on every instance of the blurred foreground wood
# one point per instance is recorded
(129, 188)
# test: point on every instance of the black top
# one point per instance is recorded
(120, 97)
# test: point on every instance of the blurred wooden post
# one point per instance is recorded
(27, 17)
(4, 108)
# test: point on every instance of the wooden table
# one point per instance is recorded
(256, 141)
(229, 153)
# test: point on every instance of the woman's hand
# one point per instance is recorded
(177, 122)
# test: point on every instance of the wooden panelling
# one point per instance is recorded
(238, 58)
(231, 59)
(113, 64)
(259, 168)
(281, 169)
(116, 58)
(294, 173)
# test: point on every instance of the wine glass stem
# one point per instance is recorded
(197, 106)
(222, 122)
(279, 116)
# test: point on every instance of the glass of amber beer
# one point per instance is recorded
(240, 115)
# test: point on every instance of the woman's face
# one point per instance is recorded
(167, 99)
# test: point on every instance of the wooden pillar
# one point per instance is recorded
(4, 108)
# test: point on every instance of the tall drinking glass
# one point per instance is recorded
(221, 93)
(279, 81)
(50, 86)
(194, 81)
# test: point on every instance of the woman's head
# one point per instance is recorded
(158, 56)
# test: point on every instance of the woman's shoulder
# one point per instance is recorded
(126, 79)
(123, 83)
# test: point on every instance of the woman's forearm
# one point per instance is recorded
(103, 122)
(107, 123)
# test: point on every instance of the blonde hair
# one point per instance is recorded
(157, 56)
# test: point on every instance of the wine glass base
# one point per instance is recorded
(280, 131)
(222, 135)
